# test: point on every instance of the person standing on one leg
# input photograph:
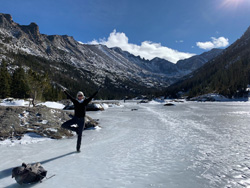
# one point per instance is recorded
(80, 105)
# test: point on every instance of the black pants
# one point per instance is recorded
(81, 124)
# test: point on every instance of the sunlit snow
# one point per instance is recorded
(189, 145)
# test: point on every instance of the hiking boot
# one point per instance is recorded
(78, 149)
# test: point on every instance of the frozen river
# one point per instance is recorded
(189, 145)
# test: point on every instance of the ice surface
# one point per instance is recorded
(190, 145)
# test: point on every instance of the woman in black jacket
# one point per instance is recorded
(80, 105)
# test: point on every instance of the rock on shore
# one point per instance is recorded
(15, 121)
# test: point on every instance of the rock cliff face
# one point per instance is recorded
(16, 121)
(98, 60)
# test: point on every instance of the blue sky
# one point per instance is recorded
(169, 29)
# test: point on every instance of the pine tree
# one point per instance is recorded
(19, 86)
(5, 81)
(38, 84)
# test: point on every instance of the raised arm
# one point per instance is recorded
(69, 96)
(87, 101)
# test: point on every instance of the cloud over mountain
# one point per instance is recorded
(215, 43)
(147, 49)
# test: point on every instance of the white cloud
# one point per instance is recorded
(147, 49)
(215, 43)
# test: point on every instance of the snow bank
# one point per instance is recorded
(28, 138)
(21, 102)
(14, 102)
(61, 106)
(105, 106)
(157, 101)
(52, 105)
(108, 104)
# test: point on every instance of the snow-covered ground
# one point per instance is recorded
(52, 105)
(189, 145)
(21, 102)
(14, 102)
(28, 138)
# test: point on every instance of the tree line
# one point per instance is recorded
(21, 83)
(224, 76)
(73, 78)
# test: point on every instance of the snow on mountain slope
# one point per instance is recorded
(97, 59)
(171, 70)
(197, 61)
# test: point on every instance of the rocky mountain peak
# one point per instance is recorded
(160, 60)
(5, 20)
(32, 29)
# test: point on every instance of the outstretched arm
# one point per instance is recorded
(87, 101)
(68, 95)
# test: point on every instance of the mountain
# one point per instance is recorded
(68, 61)
(173, 71)
(227, 74)
(156, 65)
(81, 66)
(197, 61)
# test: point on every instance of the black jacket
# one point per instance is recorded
(80, 108)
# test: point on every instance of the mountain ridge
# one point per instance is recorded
(96, 63)
(228, 74)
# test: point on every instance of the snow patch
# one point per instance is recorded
(14, 102)
(97, 128)
(21, 102)
(156, 101)
(80, 42)
(44, 122)
(23, 118)
(50, 104)
(28, 138)
(105, 106)
(52, 129)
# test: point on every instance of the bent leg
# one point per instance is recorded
(67, 124)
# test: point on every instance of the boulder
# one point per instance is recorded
(169, 104)
(143, 101)
(15, 121)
